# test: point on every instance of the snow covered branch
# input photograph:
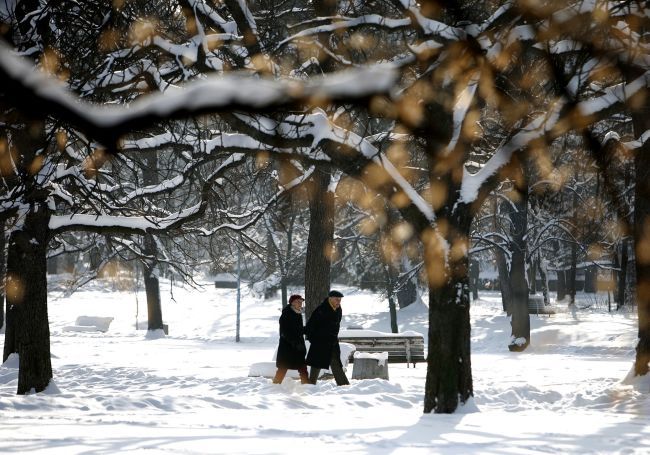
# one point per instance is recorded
(38, 95)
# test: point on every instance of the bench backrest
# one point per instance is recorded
(406, 349)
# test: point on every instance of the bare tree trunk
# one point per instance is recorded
(28, 331)
(152, 285)
(622, 275)
(571, 279)
(150, 249)
(504, 281)
(520, 320)
(641, 122)
(561, 284)
(390, 290)
(622, 291)
(27, 298)
(319, 241)
(3, 272)
(543, 274)
(321, 202)
(449, 371)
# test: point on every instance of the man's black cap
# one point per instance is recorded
(335, 294)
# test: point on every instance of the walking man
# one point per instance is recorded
(322, 331)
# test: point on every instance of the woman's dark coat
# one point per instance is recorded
(291, 350)
(322, 331)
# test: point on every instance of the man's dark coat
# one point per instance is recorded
(322, 331)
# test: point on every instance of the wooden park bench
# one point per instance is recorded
(405, 347)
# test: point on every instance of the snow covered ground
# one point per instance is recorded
(189, 392)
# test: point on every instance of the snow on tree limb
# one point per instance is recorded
(543, 125)
(347, 23)
(134, 224)
(34, 92)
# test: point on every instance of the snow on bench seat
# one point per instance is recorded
(90, 324)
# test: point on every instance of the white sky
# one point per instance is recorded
(190, 393)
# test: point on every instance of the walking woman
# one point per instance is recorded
(291, 350)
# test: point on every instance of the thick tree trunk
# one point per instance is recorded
(571, 279)
(154, 307)
(3, 270)
(449, 371)
(150, 249)
(561, 285)
(27, 266)
(520, 319)
(27, 299)
(641, 122)
(319, 241)
(152, 285)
